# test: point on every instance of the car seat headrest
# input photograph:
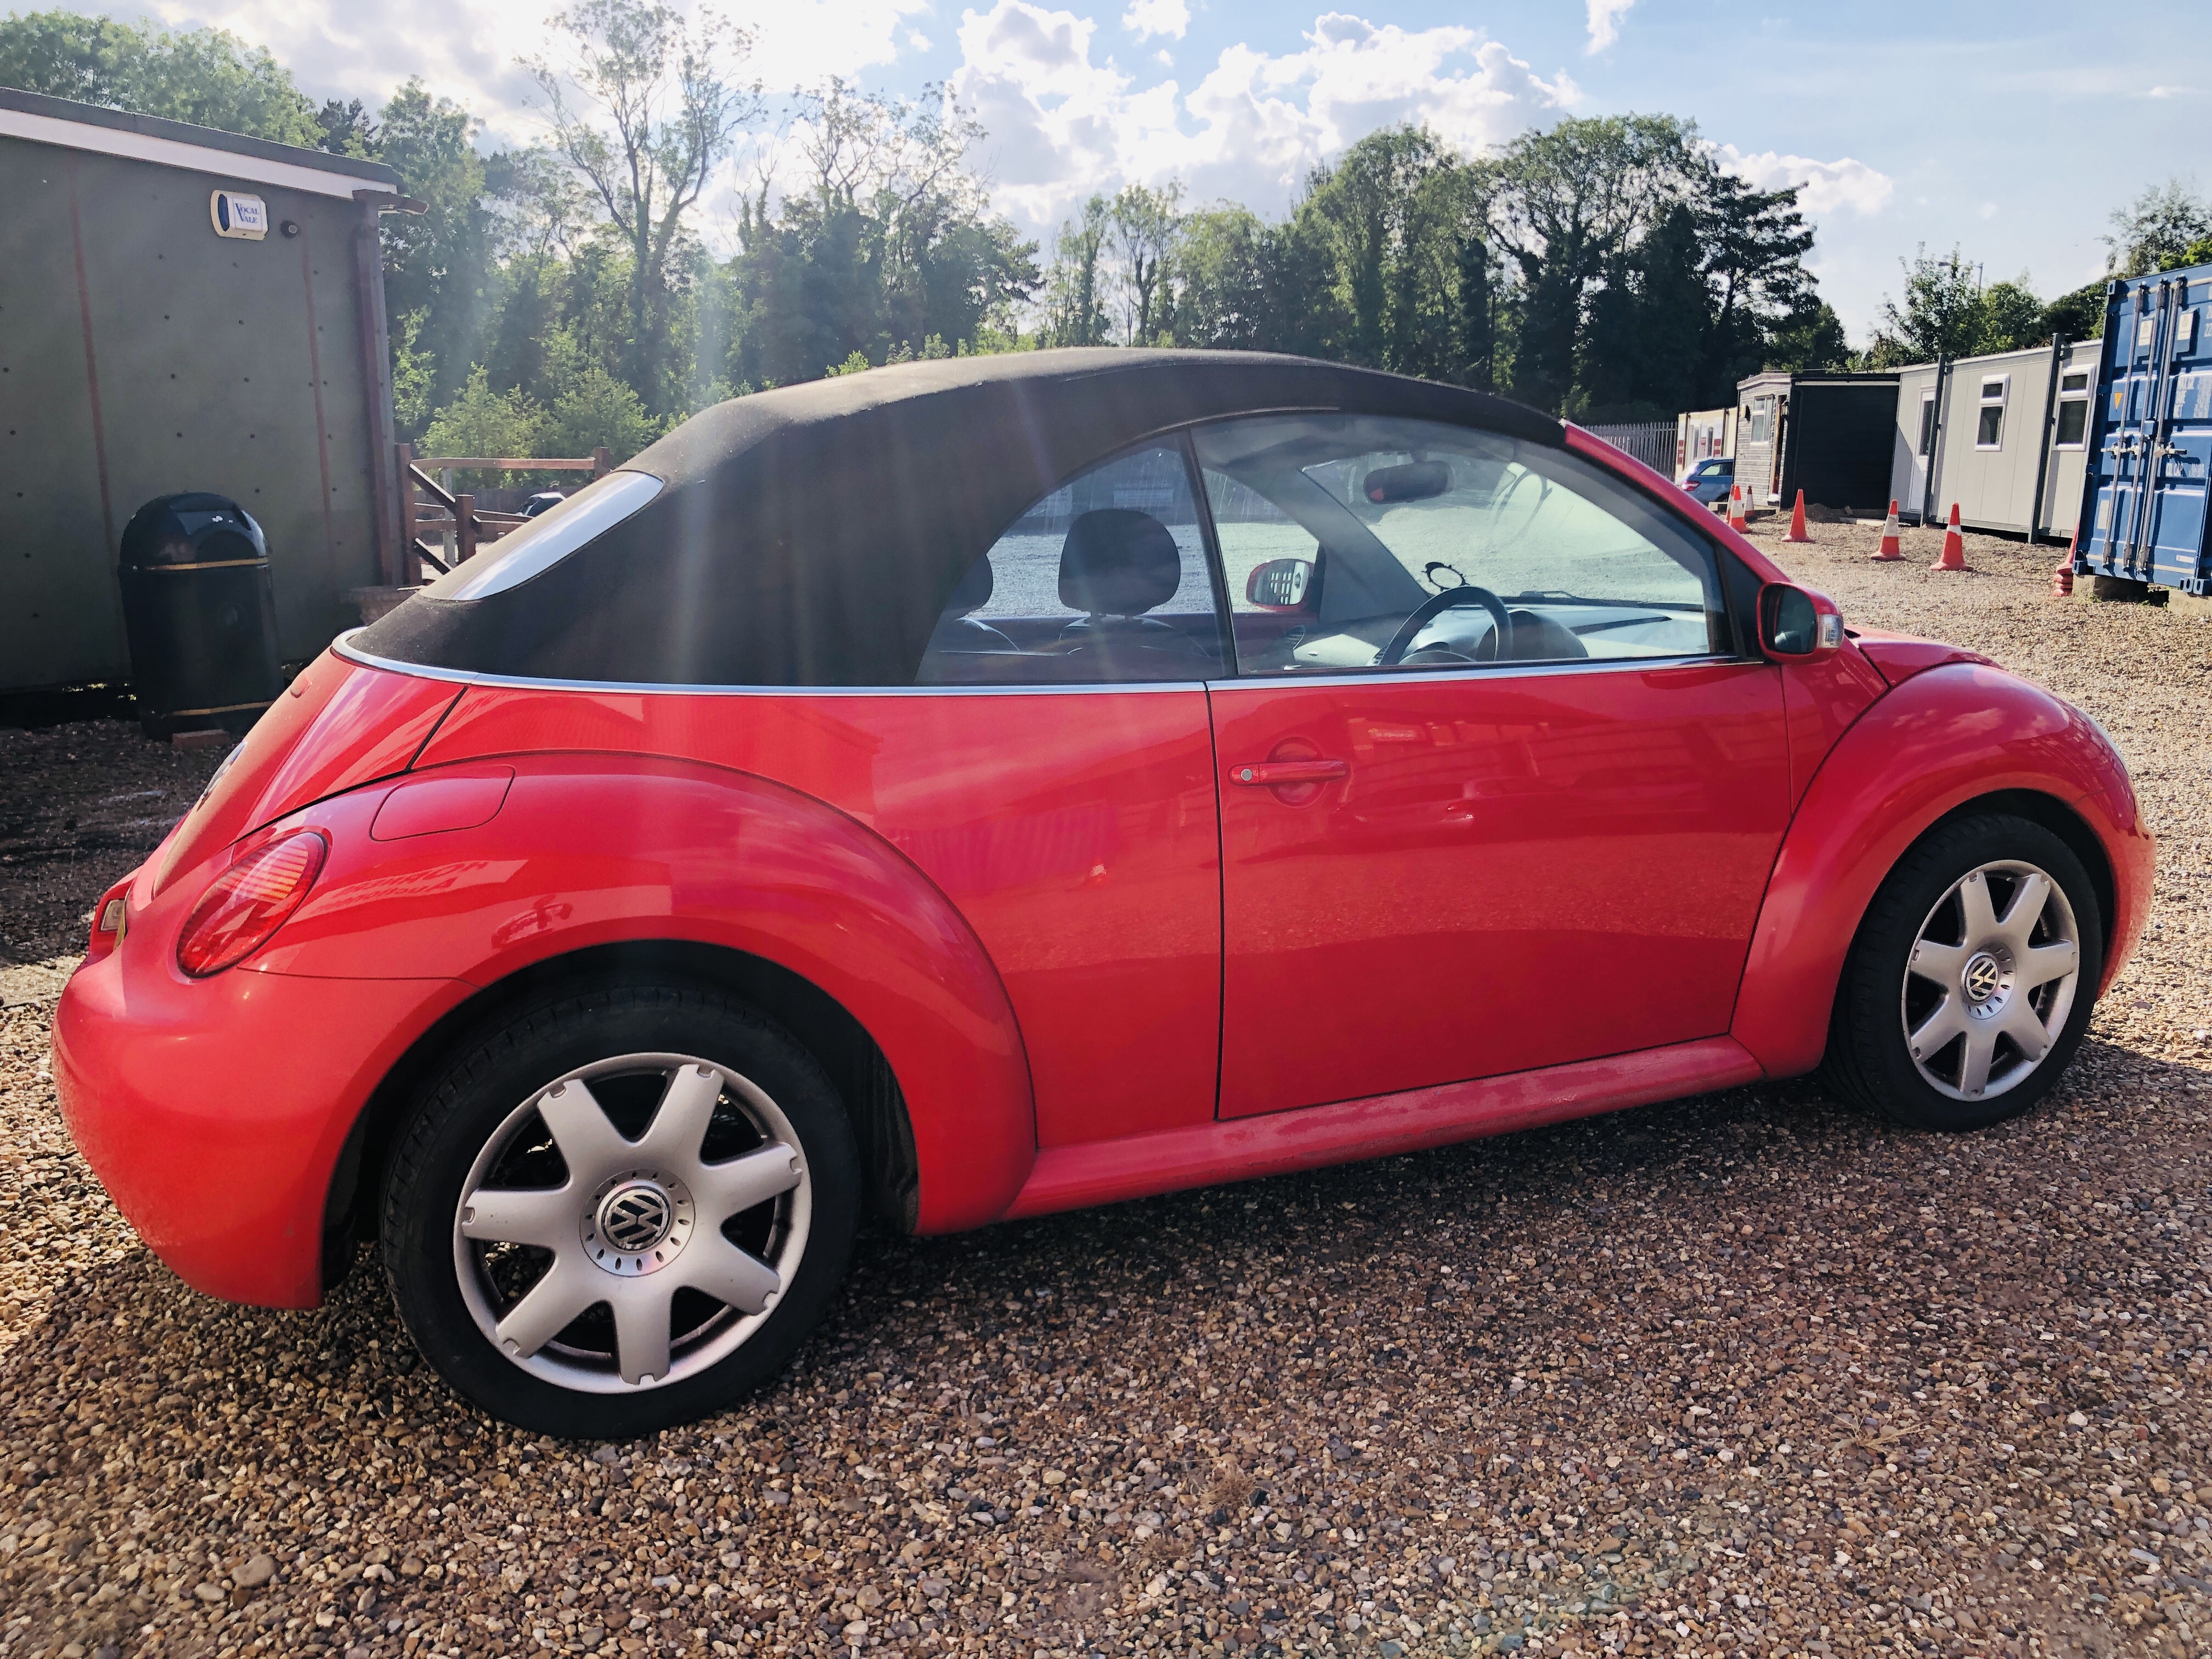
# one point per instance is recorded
(974, 590)
(1118, 562)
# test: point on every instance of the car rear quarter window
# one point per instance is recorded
(1102, 581)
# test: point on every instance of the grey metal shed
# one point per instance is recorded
(2005, 435)
(182, 309)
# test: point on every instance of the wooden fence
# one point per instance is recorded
(459, 526)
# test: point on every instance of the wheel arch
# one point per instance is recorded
(854, 1061)
(1954, 741)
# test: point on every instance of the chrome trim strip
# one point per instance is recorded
(523, 683)
(1377, 677)
(1383, 676)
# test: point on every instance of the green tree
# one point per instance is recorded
(2078, 315)
(883, 240)
(2157, 230)
(1568, 202)
(590, 408)
(207, 77)
(667, 115)
(1941, 315)
(1143, 226)
(1809, 339)
(2012, 316)
(440, 264)
(1076, 285)
(482, 421)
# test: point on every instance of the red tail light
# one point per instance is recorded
(248, 902)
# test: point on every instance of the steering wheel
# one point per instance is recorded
(1435, 605)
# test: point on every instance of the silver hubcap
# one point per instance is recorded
(606, 1263)
(1991, 980)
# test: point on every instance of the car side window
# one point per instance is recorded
(1359, 542)
(1104, 579)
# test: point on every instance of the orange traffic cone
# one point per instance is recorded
(1954, 545)
(1737, 519)
(1893, 544)
(1798, 522)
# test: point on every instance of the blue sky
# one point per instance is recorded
(2011, 130)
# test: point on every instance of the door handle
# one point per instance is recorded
(1273, 774)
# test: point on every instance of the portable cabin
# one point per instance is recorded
(2004, 435)
(2144, 491)
(182, 309)
(1826, 434)
(1703, 434)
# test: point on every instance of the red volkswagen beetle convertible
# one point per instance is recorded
(981, 788)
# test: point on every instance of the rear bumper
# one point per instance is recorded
(214, 1110)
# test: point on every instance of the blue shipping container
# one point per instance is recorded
(2150, 439)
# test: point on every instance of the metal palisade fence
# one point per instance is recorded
(1651, 442)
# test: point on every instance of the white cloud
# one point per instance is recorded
(2171, 92)
(1604, 17)
(1062, 126)
(1822, 186)
(1147, 18)
(466, 50)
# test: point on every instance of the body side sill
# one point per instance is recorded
(1247, 1148)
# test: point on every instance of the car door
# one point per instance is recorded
(1498, 789)
(1052, 773)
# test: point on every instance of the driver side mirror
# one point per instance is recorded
(1796, 623)
(1280, 584)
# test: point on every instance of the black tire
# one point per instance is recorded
(1869, 1060)
(472, 1101)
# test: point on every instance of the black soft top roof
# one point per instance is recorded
(811, 535)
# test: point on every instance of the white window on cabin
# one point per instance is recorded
(1989, 428)
(2073, 431)
(1927, 425)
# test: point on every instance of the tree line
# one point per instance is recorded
(552, 299)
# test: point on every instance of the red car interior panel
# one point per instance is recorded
(597, 849)
(1075, 831)
(1969, 732)
(1516, 870)
(338, 725)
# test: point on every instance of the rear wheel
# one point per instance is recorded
(621, 1210)
(1971, 981)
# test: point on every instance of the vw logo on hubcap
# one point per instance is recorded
(635, 1218)
(1983, 979)
(637, 1222)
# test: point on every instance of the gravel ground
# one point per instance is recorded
(1743, 1374)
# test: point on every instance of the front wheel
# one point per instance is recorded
(621, 1210)
(1970, 984)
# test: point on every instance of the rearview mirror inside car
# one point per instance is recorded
(1412, 481)
(1280, 584)
(1795, 622)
